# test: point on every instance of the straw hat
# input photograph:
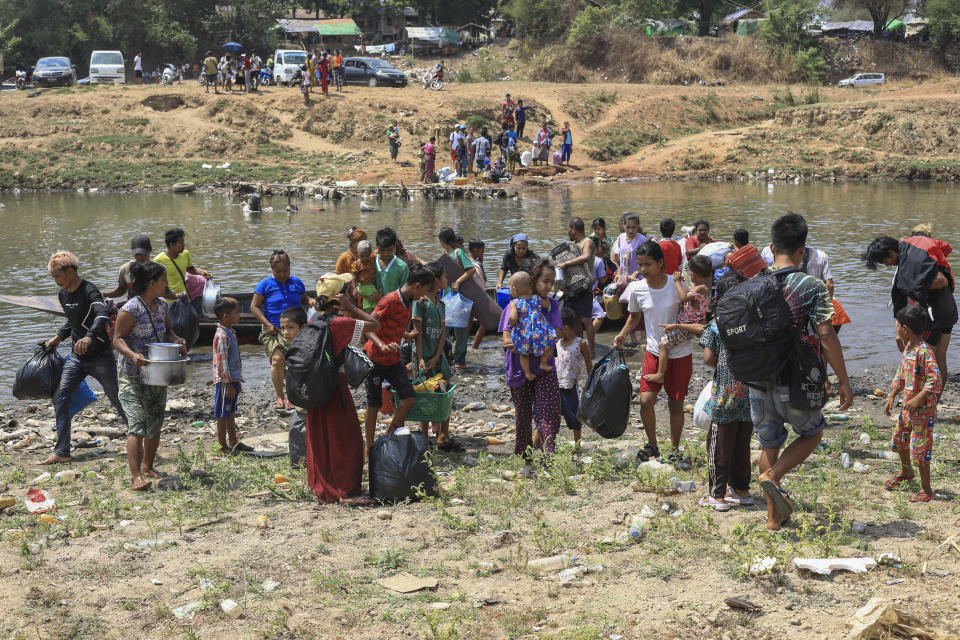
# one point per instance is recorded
(331, 284)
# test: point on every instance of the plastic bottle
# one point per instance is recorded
(845, 460)
(49, 519)
(197, 424)
(637, 526)
(43, 477)
(103, 441)
(67, 475)
(262, 522)
(279, 478)
(888, 455)
(553, 563)
(231, 608)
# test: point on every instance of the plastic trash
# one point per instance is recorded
(859, 467)
(398, 467)
(552, 563)
(701, 419)
(346, 183)
(43, 477)
(683, 486)
(826, 566)
(225, 165)
(185, 321)
(457, 310)
(864, 438)
(231, 608)
(845, 460)
(82, 398)
(569, 575)
(187, 611)
(762, 564)
(605, 401)
(67, 475)
(716, 251)
(39, 501)
(39, 376)
(888, 455)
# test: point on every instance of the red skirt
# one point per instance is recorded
(335, 447)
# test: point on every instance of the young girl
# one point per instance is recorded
(532, 334)
(694, 304)
(428, 354)
(452, 244)
(573, 356)
(305, 84)
(477, 248)
(625, 250)
(655, 302)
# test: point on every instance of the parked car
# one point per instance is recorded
(107, 66)
(286, 64)
(862, 80)
(372, 72)
(54, 71)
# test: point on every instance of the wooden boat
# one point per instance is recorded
(248, 329)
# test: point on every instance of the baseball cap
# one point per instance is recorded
(330, 284)
(140, 245)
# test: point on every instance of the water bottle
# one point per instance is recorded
(553, 563)
(67, 475)
(888, 455)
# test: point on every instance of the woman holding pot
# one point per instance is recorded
(144, 319)
(536, 401)
(518, 258)
(272, 296)
(334, 438)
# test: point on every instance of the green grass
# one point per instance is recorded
(622, 139)
(122, 140)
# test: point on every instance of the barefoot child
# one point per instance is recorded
(694, 304)
(227, 374)
(365, 276)
(476, 248)
(305, 84)
(918, 377)
(531, 334)
(573, 356)
(292, 320)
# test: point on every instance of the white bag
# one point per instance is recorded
(717, 252)
(702, 419)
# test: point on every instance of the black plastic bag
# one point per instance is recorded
(297, 438)
(399, 468)
(38, 377)
(605, 402)
(807, 375)
(185, 321)
(356, 366)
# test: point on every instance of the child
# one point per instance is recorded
(694, 304)
(573, 355)
(919, 378)
(531, 335)
(227, 374)
(422, 157)
(430, 327)
(305, 84)
(476, 248)
(392, 272)
(365, 275)
(672, 255)
(292, 320)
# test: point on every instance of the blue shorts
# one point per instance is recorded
(224, 407)
(770, 410)
(569, 404)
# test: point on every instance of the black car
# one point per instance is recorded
(54, 72)
(372, 72)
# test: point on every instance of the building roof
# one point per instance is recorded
(337, 27)
(433, 34)
(852, 25)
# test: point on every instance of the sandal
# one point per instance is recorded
(779, 496)
(733, 498)
(896, 481)
(278, 405)
(922, 496)
(452, 446)
(649, 452)
(710, 501)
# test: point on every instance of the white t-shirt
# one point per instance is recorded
(136, 64)
(818, 265)
(659, 306)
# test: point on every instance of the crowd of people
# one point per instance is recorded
(389, 302)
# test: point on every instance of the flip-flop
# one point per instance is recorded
(896, 481)
(452, 446)
(922, 496)
(733, 498)
(710, 501)
(779, 496)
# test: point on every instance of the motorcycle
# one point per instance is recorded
(265, 77)
(434, 80)
(21, 79)
(169, 74)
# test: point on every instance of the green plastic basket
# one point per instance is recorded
(429, 406)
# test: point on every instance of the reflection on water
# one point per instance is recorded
(235, 247)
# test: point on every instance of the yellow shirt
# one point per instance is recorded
(210, 66)
(174, 279)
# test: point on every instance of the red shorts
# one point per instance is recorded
(676, 380)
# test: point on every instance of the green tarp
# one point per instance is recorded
(338, 28)
(894, 25)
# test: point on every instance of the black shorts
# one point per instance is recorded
(932, 336)
(396, 375)
(582, 304)
(138, 73)
(211, 78)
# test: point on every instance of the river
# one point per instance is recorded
(235, 247)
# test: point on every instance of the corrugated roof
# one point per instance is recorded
(736, 15)
(852, 25)
(339, 27)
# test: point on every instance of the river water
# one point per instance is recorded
(235, 247)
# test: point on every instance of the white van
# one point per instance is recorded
(107, 66)
(286, 62)
(862, 80)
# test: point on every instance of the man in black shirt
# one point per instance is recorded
(86, 325)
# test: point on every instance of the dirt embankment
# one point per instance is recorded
(151, 137)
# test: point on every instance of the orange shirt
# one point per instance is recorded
(338, 61)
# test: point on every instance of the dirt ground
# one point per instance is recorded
(152, 136)
(314, 572)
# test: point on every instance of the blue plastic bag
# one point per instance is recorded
(457, 310)
(82, 398)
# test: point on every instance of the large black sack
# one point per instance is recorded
(605, 402)
(311, 369)
(38, 377)
(297, 438)
(399, 469)
(756, 326)
(185, 321)
(356, 366)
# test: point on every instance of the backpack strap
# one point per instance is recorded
(806, 258)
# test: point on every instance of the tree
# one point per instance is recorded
(881, 11)
(705, 10)
(944, 17)
(543, 19)
(786, 23)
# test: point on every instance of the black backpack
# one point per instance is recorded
(312, 370)
(756, 326)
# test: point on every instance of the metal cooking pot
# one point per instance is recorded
(163, 351)
(164, 373)
(211, 293)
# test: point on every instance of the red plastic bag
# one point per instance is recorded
(39, 501)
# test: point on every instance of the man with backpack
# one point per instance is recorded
(772, 326)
